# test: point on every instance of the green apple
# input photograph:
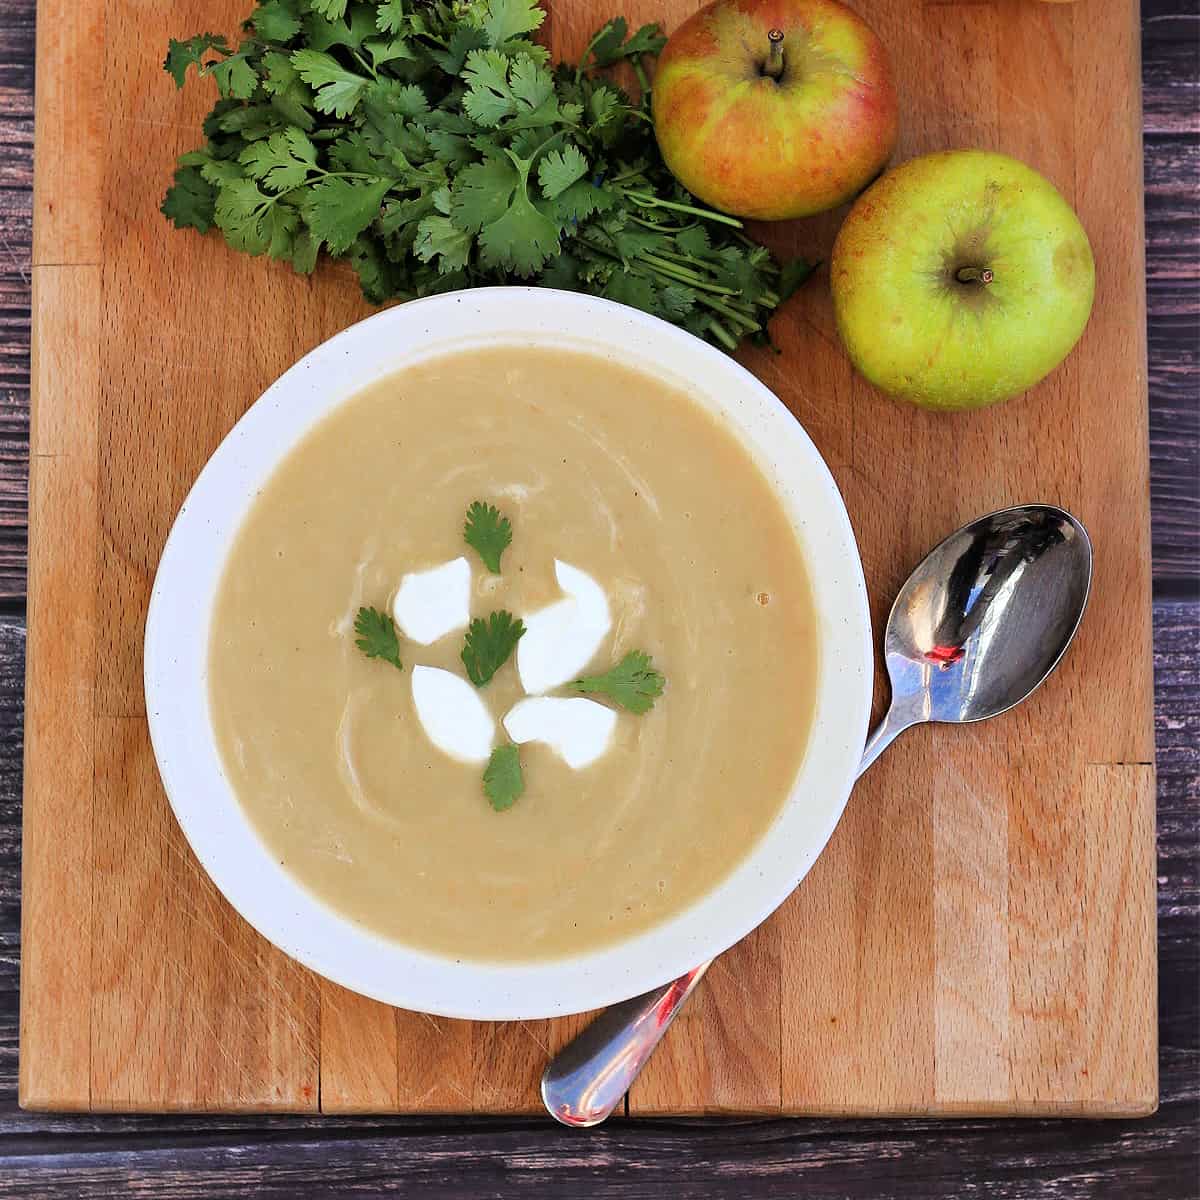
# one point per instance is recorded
(960, 279)
(773, 109)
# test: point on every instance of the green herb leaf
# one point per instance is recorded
(390, 18)
(559, 169)
(181, 55)
(338, 210)
(488, 645)
(190, 200)
(246, 216)
(488, 532)
(331, 10)
(464, 39)
(277, 20)
(609, 45)
(358, 25)
(236, 78)
(377, 636)
(283, 161)
(507, 19)
(338, 90)
(503, 779)
(795, 272)
(633, 683)
(438, 238)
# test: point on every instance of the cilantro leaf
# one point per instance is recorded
(532, 85)
(242, 214)
(338, 90)
(489, 643)
(282, 161)
(464, 39)
(390, 18)
(635, 290)
(491, 199)
(489, 98)
(190, 200)
(604, 106)
(504, 20)
(609, 46)
(219, 171)
(649, 39)
(277, 20)
(500, 87)
(181, 55)
(236, 78)
(331, 10)
(372, 268)
(795, 272)
(581, 200)
(523, 240)
(382, 51)
(377, 636)
(633, 683)
(438, 237)
(503, 779)
(304, 252)
(559, 169)
(358, 25)
(488, 532)
(338, 210)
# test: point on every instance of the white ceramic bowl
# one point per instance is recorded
(176, 659)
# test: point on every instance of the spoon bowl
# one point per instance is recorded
(984, 619)
(989, 613)
(980, 623)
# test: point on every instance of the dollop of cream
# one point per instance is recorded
(577, 730)
(561, 639)
(452, 714)
(433, 603)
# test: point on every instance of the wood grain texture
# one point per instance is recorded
(957, 945)
(58, 887)
(68, 1156)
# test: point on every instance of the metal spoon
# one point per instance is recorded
(980, 623)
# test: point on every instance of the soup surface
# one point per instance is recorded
(609, 469)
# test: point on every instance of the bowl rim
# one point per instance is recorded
(225, 842)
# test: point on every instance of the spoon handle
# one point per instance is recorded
(587, 1078)
(894, 723)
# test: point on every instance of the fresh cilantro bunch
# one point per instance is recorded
(431, 144)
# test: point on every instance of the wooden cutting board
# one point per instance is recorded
(979, 936)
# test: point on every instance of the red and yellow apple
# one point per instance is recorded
(771, 109)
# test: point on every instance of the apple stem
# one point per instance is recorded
(974, 275)
(773, 67)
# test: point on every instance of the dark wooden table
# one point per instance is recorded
(1158, 1158)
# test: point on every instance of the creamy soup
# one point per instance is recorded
(626, 481)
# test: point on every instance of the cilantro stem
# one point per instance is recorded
(721, 334)
(646, 200)
(738, 319)
(661, 227)
(668, 271)
(643, 83)
(692, 278)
